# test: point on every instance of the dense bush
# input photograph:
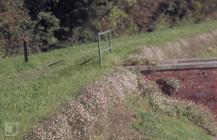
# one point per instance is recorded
(80, 20)
(44, 28)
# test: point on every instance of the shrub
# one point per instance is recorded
(169, 86)
(173, 83)
(45, 27)
(41, 32)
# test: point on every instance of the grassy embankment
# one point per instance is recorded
(30, 92)
(157, 126)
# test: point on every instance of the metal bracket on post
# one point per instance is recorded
(101, 51)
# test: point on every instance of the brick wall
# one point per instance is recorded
(198, 85)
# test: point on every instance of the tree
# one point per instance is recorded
(45, 27)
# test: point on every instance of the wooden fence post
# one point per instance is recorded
(25, 48)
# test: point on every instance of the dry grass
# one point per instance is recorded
(182, 48)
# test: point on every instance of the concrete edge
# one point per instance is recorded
(181, 64)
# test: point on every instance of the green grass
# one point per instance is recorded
(156, 126)
(31, 92)
(159, 126)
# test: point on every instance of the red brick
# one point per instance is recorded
(198, 85)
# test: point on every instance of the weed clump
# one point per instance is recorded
(147, 56)
(169, 86)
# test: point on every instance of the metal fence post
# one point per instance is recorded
(110, 42)
(101, 50)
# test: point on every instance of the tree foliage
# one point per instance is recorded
(50, 21)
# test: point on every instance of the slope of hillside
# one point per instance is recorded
(30, 92)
